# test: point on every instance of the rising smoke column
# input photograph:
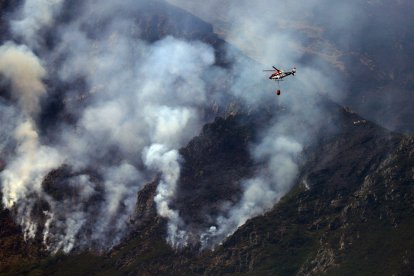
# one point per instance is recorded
(168, 163)
(24, 174)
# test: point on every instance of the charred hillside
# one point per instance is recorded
(351, 211)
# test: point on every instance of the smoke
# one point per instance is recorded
(24, 71)
(34, 17)
(167, 162)
(139, 104)
(279, 156)
(25, 172)
(322, 39)
(141, 100)
(376, 81)
(271, 35)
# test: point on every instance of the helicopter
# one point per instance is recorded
(278, 75)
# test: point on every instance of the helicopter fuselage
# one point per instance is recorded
(281, 75)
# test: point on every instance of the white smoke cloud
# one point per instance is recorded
(159, 158)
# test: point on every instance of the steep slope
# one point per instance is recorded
(351, 212)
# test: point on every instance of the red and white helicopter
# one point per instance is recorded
(279, 75)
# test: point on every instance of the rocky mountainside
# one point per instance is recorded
(351, 211)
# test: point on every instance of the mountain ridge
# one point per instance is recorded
(315, 228)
